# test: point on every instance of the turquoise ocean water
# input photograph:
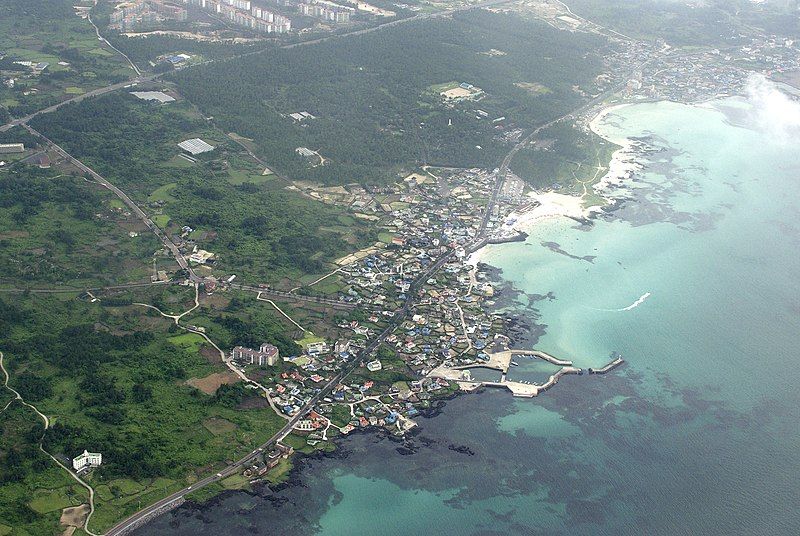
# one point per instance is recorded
(698, 433)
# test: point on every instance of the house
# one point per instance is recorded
(266, 355)
(201, 256)
(87, 460)
(374, 366)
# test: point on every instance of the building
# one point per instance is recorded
(374, 366)
(157, 96)
(201, 256)
(266, 355)
(144, 14)
(242, 13)
(328, 11)
(87, 460)
(195, 146)
(12, 148)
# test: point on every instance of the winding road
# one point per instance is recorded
(481, 239)
(41, 447)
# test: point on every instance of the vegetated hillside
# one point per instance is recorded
(122, 381)
(55, 228)
(257, 228)
(564, 156)
(372, 97)
(712, 23)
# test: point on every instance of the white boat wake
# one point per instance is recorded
(634, 305)
(637, 303)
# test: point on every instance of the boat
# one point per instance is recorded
(514, 364)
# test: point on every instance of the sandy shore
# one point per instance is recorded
(551, 205)
(624, 163)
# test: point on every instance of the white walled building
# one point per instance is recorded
(87, 460)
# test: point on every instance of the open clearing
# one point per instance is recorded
(211, 383)
(219, 426)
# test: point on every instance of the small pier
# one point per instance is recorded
(611, 365)
(530, 390)
(502, 360)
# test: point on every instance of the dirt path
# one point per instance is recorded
(227, 362)
(41, 447)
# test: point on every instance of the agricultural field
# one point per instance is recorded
(58, 229)
(101, 372)
(256, 227)
(50, 31)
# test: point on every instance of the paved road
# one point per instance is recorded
(141, 516)
(179, 258)
(87, 95)
(137, 518)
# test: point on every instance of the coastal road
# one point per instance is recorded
(142, 516)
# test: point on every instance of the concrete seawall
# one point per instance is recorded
(611, 365)
(154, 514)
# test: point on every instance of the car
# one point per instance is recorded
(190, 487)
(219, 475)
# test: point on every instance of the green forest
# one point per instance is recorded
(370, 94)
(253, 224)
(103, 373)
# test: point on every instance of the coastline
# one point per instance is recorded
(542, 206)
(551, 205)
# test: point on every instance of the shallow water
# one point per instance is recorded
(697, 433)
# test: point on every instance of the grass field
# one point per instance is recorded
(162, 193)
(51, 500)
(162, 220)
(49, 31)
(196, 434)
(191, 342)
(239, 177)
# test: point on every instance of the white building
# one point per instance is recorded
(195, 146)
(12, 148)
(87, 460)
(374, 366)
(266, 355)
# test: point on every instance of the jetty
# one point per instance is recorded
(501, 361)
(530, 390)
(614, 363)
